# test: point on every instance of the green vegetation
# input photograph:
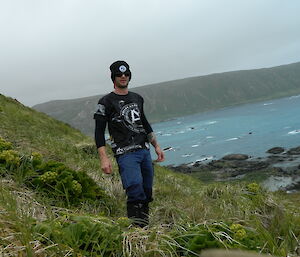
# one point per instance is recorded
(54, 201)
(187, 96)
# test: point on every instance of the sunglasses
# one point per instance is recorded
(120, 74)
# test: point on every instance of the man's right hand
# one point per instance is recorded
(106, 165)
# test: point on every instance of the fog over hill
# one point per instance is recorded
(187, 96)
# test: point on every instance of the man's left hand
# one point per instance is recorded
(160, 154)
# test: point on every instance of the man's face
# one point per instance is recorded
(122, 81)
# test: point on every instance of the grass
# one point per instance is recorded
(186, 216)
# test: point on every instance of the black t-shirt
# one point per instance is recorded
(127, 124)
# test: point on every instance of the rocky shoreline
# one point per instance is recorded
(279, 170)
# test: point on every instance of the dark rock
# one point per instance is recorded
(217, 163)
(237, 157)
(293, 187)
(232, 172)
(257, 165)
(197, 164)
(277, 170)
(236, 166)
(276, 158)
(276, 150)
(273, 158)
(294, 151)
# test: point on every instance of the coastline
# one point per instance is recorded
(278, 170)
(250, 129)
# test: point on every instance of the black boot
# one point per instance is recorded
(144, 214)
(138, 213)
(133, 212)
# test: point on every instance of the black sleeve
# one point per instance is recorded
(100, 117)
(99, 132)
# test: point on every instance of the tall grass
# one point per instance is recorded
(16, 220)
(186, 216)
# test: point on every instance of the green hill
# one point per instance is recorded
(190, 95)
(54, 201)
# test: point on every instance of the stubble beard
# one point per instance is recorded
(119, 85)
(122, 86)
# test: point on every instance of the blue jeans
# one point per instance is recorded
(136, 170)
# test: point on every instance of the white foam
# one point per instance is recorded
(205, 159)
(293, 132)
(180, 132)
(201, 160)
(268, 103)
(211, 122)
(195, 145)
(295, 96)
(210, 137)
(231, 139)
(186, 155)
(166, 135)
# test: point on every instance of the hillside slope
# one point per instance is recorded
(188, 96)
(186, 216)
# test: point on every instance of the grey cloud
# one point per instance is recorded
(62, 49)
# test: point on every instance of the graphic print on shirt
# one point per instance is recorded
(118, 118)
(121, 104)
(100, 109)
(132, 117)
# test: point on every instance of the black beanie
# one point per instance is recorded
(119, 67)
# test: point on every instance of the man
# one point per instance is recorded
(130, 134)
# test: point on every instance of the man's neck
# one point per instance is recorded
(121, 91)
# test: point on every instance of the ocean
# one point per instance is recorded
(248, 129)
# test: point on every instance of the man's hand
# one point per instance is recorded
(106, 165)
(160, 154)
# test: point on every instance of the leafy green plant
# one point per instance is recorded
(64, 184)
(254, 188)
(194, 238)
(246, 237)
(87, 236)
(4, 145)
(36, 158)
(10, 159)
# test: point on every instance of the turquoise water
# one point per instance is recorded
(250, 129)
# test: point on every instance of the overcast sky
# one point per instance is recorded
(62, 49)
